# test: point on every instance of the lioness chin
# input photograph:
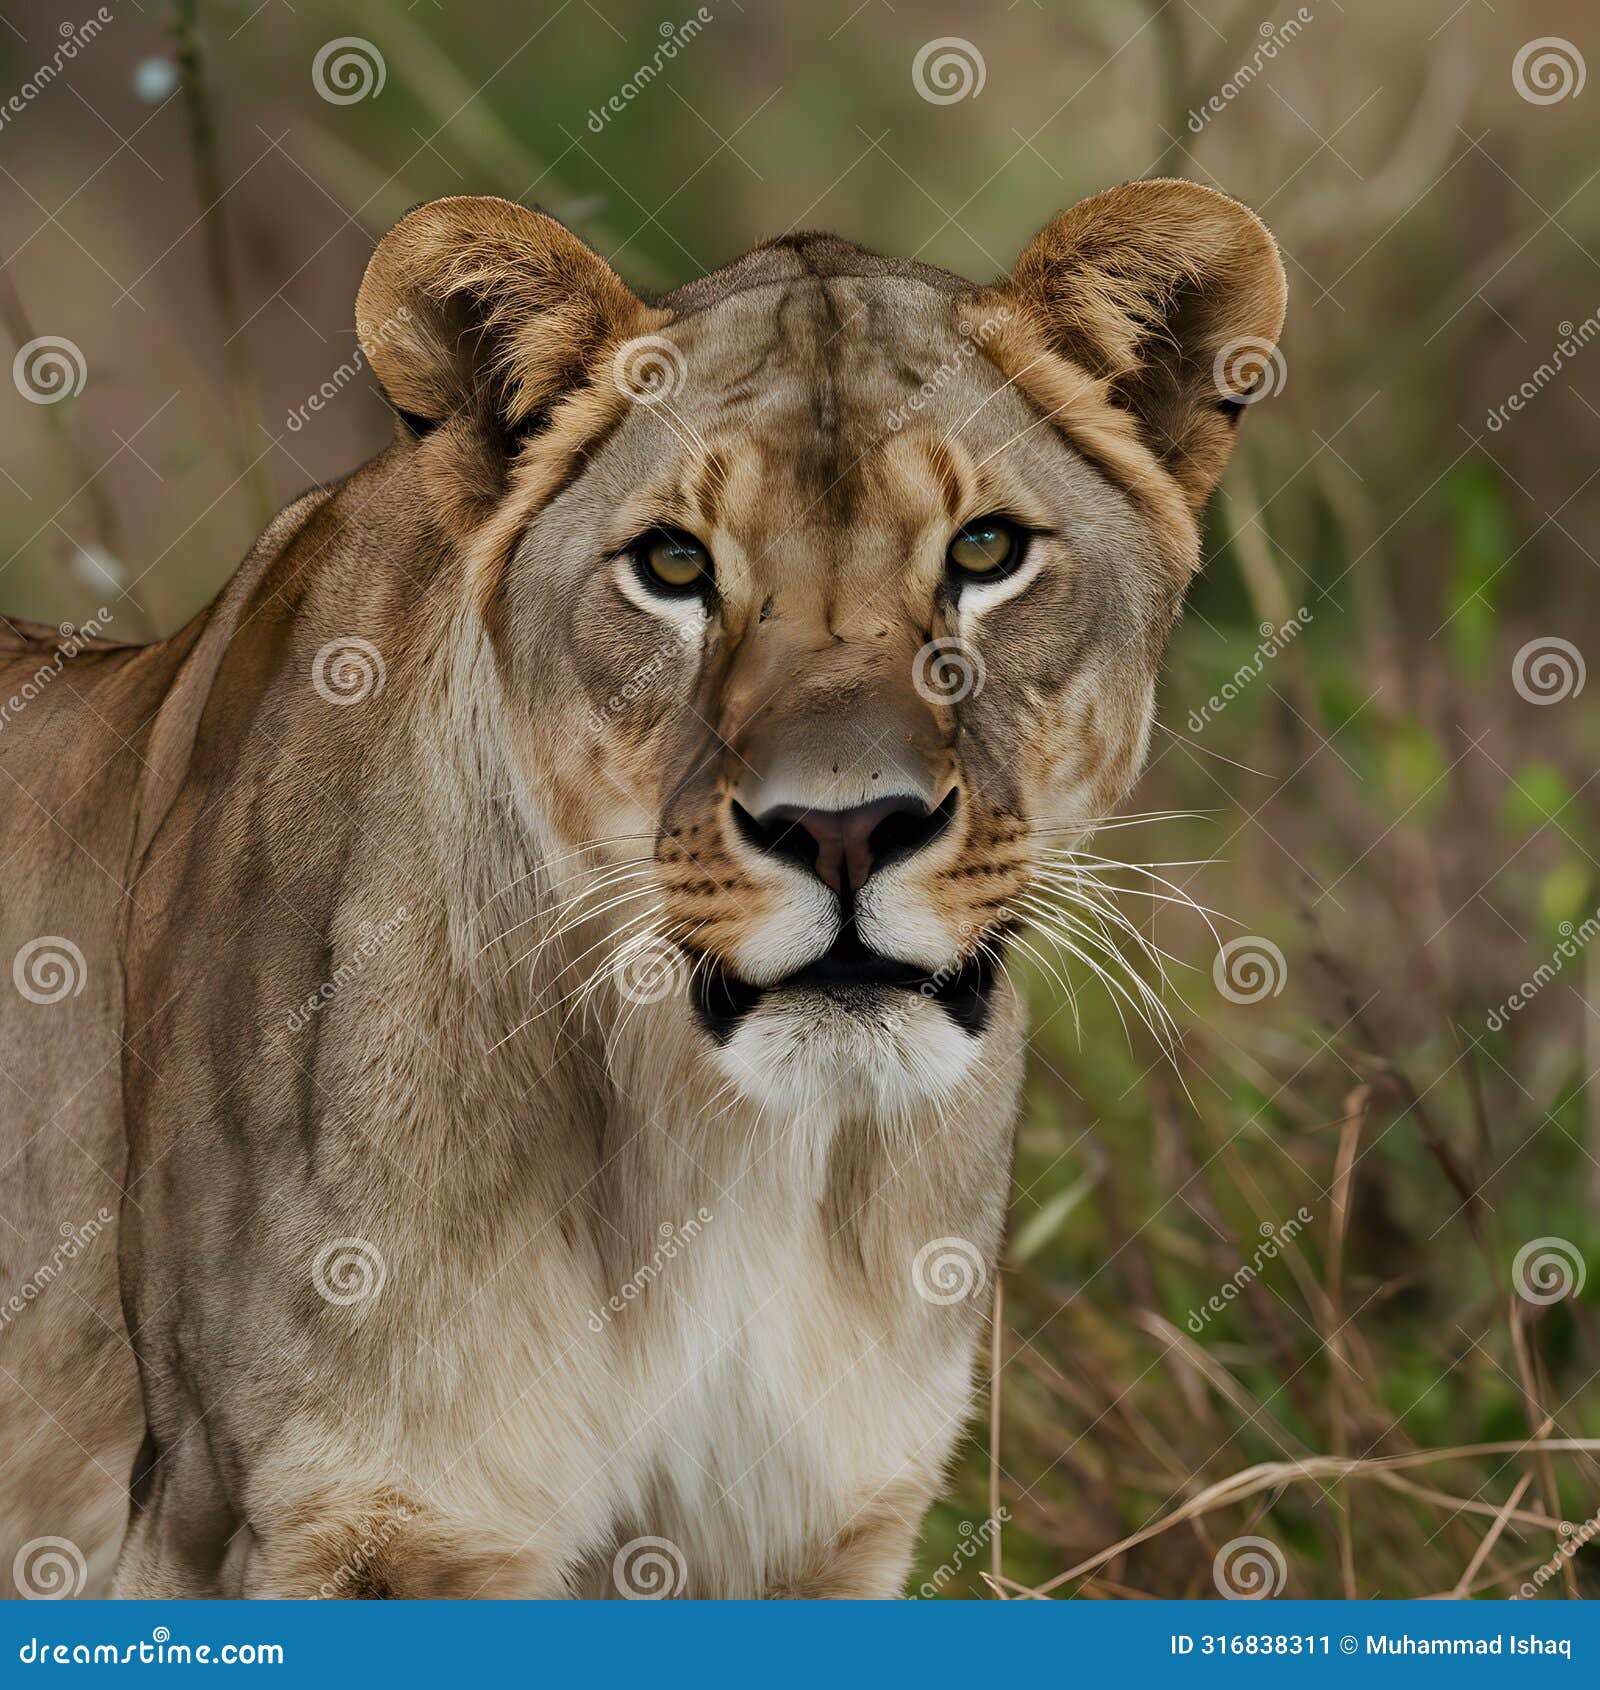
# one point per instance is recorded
(522, 974)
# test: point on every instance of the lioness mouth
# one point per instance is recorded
(847, 971)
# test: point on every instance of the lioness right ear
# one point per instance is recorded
(478, 306)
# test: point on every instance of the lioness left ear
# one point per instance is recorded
(480, 307)
(1174, 294)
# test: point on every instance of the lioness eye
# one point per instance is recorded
(673, 562)
(986, 549)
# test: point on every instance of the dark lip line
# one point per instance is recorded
(722, 999)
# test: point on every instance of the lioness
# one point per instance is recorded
(522, 974)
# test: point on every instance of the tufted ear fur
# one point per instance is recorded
(479, 307)
(1174, 295)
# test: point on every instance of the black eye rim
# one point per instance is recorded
(637, 551)
(1021, 536)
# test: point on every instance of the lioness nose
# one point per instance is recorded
(844, 847)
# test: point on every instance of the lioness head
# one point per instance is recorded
(827, 591)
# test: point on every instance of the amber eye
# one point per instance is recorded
(986, 550)
(673, 562)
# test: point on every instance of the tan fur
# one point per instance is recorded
(356, 972)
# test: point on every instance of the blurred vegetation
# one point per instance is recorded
(1379, 800)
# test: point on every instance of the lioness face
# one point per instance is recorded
(841, 588)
